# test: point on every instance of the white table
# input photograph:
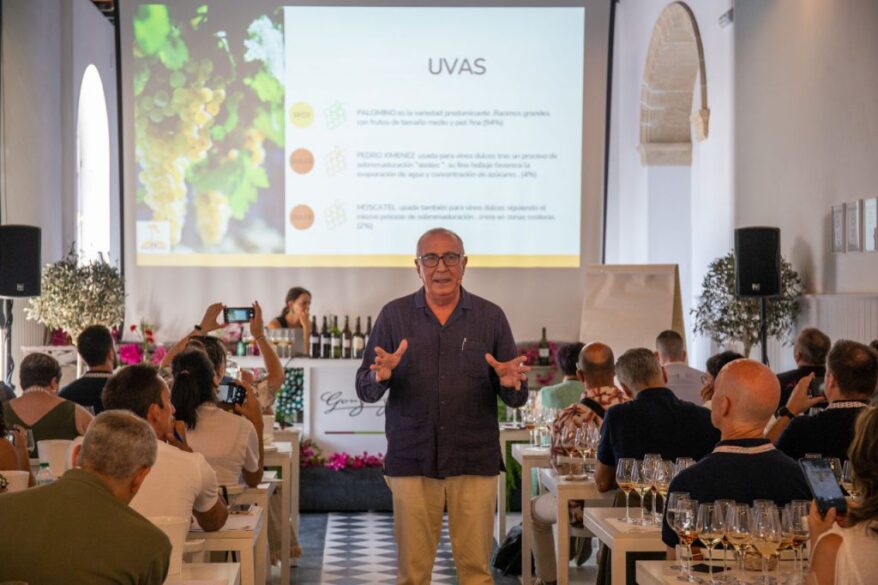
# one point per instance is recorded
(286, 456)
(507, 435)
(227, 573)
(246, 534)
(621, 542)
(529, 457)
(566, 490)
(660, 572)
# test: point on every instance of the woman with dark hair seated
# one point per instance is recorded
(231, 444)
(296, 314)
(714, 364)
(846, 553)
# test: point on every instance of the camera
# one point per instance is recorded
(238, 314)
(230, 394)
(816, 387)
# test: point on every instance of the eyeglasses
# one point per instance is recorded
(432, 260)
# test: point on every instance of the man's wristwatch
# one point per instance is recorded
(784, 411)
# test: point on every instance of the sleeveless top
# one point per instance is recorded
(857, 560)
(57, 423)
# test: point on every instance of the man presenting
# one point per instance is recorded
(445, 355)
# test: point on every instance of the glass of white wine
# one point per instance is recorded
(722, 507)
(670, 509)
(685, 525)
(643, 485)
(626, 475)
(765, 535)
(710, 525)
(847, 480)
(799, 511)
(737, 531)
(664, 472)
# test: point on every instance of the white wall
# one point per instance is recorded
(641, 200)
(806, 82)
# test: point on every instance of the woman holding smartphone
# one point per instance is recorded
(846, 553)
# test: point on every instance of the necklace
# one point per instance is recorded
(38, 390)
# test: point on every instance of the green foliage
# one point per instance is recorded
(725, 317)
(155, 36)
(266, 87)
(76, 295)
(238, 178)
(271, 123)
(222, 130)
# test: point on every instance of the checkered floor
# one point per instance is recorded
(360, 549)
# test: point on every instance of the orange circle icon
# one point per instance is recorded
(301, 161)
(302, 217)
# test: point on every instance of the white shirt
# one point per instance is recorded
(228, 441)
(684, 381)
(857, 559)
(177, 484)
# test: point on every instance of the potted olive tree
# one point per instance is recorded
(726, 317)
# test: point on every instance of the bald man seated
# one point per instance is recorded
(744, 465)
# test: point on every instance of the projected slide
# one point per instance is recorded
(334, 136)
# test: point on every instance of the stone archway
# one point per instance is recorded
(675, 60)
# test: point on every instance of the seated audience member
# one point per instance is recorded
(6, 392)
(744, 466)
(656, 421)
(14, 456)
(39, 408)
(595, 368)
(267, 388)
(181, 482)
(714, 364)
(570, 389)
(851, 374)
(810, 351)
(684, 381)
(231, 444)
(79, 529)
(848, 555)
(97, 349)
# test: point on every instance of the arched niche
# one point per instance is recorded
(92, 168)
(674, 62)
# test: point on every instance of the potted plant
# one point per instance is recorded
(725, 317)
(76, 295)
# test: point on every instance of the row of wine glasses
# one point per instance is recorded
(763, 528)
(574, 454)
(651, 475)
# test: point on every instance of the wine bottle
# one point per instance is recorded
(314, 341)
(358, 342)
(335, 338)
(544, 349)
(368, 330)
(325, 341)
(346, 339)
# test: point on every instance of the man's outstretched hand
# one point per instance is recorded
(385, 362)
(511, 373)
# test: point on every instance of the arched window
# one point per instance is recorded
(92, 168)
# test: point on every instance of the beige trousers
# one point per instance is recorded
(418, 506)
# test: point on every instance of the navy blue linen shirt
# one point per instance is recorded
(442, 406)
(656, 421)
(742, 477)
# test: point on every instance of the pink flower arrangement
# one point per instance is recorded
(310, 455)
(143, 351)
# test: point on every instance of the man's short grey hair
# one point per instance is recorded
(439, 231)
(118, 444)
(670, 345)
(638, 367)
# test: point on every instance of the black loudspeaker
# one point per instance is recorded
(19, 261)
(757, 261)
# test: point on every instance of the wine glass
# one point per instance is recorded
(723, 507)
(685, 517)
(847, 480)
(682, 463)
(799, 511)
(670, 508)
(710, 526)
(835, 465)
(643, 485)
(737, 531)
(31, 442)
(626, 475)
(664, 471)
(583, 451)
(765, 535)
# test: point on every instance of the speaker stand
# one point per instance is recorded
(763, 329)
(6, 325)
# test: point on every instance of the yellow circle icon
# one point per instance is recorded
(301, 114)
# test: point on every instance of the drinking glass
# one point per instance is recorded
(626, 475)
(835, 465)
(723, 507)
(799, 511)
(670, 508)
(737, 531)
(710, 526)
(765, 535)
(682, 463)
(847, 480)
(685, 525)
(582, 452)
(664, 471)
(643, 485)
(31, 443)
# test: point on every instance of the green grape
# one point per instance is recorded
(177, 79)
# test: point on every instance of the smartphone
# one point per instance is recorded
(816, 387)
(230, 394)
(240, 508)
(827, 493)
(238, 314)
